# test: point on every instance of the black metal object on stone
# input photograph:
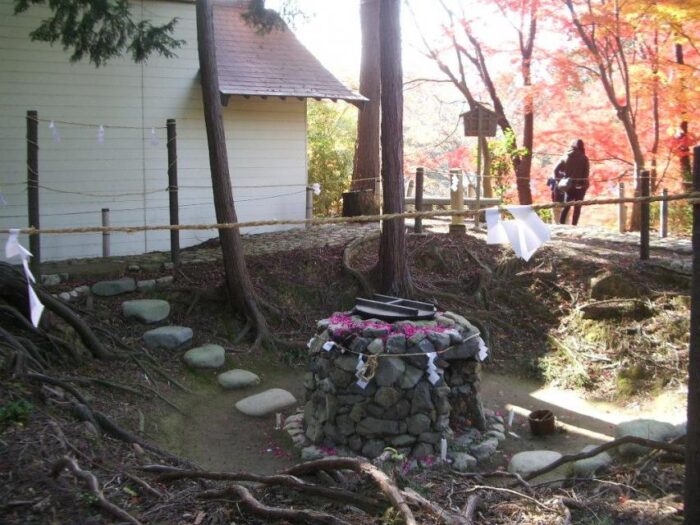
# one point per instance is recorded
(388, 308)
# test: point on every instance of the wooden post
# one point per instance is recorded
(418, 223)
(663, 215)
(621, 210)
(457, 202)
(309, 203)
(105, 234)
(644, 228)
(691, 511)
(33, 190)
(173, 190)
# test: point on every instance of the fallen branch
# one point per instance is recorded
(387, 486)
(659, 445)
(470, 508)
(91, 481)
(253, 505)
(447, 516)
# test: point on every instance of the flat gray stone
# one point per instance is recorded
(389, 371)
(644, 428)
(206, 356)
(311, 453)
(525, 463)
(410, 377)
(51, 280)
(110, 288)
(146, 310)
(266, 402)
(463, 462)
(237, 378)
(147, 285)
(587, 467)
(168, 337)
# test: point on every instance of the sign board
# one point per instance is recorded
(480, 122)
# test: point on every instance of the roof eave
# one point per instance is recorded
(354, 99)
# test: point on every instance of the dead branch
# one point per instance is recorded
(253, 505)
(470, 508)
(387, 486)
(292, 482)
(91, 481)
(659, 445)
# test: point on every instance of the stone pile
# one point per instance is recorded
(373, 384)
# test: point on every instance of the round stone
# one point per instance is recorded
(237, 378)
(110, 288)
(525, 463)
(207, 356)
(146, 310)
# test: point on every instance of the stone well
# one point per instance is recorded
(374, 384)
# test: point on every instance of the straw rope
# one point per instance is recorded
(690, 197)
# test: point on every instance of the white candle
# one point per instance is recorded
(278, 420)
(443, 449)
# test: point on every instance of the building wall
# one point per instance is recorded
(266, 141)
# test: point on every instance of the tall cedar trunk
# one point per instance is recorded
(524, 169)
(692, 458)
(238, 283)
(366, 167)
(686, 174)
(486, 184)
(392, 266)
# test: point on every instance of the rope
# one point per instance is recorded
(690, 197)
(91, 125)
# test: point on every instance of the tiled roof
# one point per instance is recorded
(273, 64)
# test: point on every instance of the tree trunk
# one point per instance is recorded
(238, 283)
(392, 267)
(366, 168)
(486, 182)
(686, 174)
(623, 114)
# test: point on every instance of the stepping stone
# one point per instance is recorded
(525, 463)
(266, 402)
(644, 428)
(167, 337)
(110, 288)
(584, 468)
(207, 356)
(146, 310)
(237, 378)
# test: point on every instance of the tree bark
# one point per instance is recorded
(238, 283)
(366, 167)
(392, 266)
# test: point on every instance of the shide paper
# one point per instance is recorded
(14, 249)
(525, 233)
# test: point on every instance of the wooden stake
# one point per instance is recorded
(418, 223)
(33, 190)
(173, 190)
(644, 228)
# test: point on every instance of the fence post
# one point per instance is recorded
(33, 190)
(418, 223)
(309, 203)
(692, 449)
(105, 234)
(457, 203)
(663, 215)
(621, 210)
(173, 190)
(644, 227)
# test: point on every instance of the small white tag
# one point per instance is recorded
(328, 346)
(433, 375)
(483, 350)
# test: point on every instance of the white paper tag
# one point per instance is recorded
(483, 350)
(328, 346)
(359, 371)
(433, 375)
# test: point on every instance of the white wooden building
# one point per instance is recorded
(265, 82)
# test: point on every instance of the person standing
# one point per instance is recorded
(557, 193)
(577, 169)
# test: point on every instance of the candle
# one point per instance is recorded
(278, 420)
(443, 449)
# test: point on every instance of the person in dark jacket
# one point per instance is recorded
(557, 193)
(576, 167)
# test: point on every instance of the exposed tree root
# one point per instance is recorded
(385, 484)
(291, 482)
(447, 516)
(348, 253)
(254, 506)
(91, 481)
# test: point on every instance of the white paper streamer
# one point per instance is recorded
(359, 370)
(317, 188)
(14, 249)
(328, 346)
(454, 183)
(483, 350)
(525, 233)
(101, 134)
(433, 375)
(55, 134)
(154, 137)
